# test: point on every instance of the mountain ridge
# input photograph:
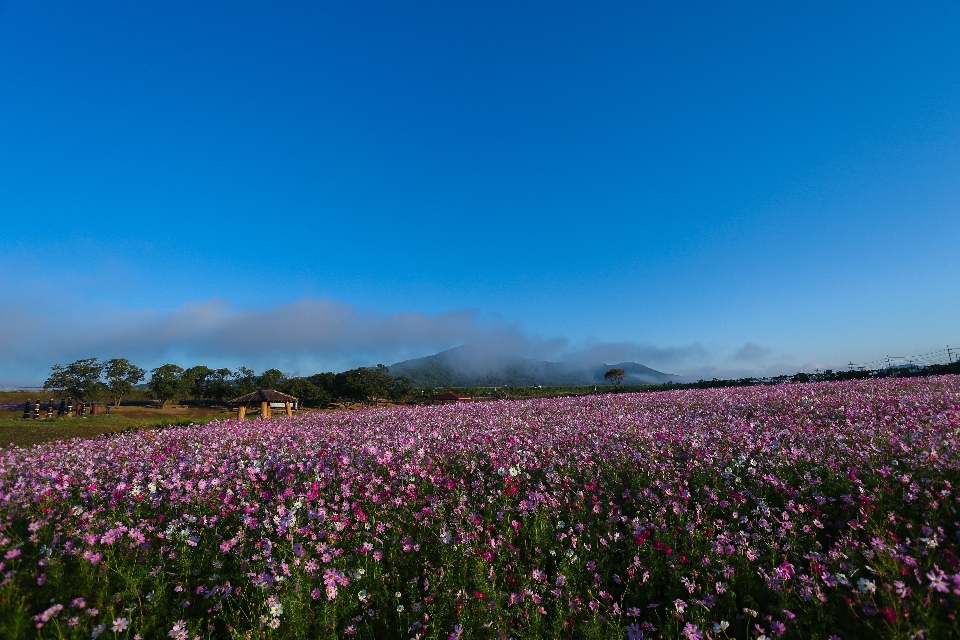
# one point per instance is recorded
(469, 367)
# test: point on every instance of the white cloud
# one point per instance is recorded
(752, 352)
(310, 335)
(303, 336)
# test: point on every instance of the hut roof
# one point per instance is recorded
(263, 395)
(448, 396)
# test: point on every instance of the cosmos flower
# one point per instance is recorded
(938, 580)
(667, 490)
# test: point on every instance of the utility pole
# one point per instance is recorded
(949, 354)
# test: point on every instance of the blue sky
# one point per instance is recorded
(323, 185)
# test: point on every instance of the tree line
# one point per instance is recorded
(90, 379)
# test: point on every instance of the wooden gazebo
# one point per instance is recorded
(265, 397)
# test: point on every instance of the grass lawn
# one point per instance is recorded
(16, 431)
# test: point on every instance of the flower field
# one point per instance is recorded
(797, 511)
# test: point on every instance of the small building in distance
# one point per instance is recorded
(267, 398)
(448, 396)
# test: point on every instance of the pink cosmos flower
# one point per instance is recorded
(692, 632)
(179, 631)
(938, 580)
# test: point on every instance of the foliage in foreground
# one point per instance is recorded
(794, 511)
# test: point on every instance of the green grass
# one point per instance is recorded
(16, 431)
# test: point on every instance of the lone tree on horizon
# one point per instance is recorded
(616, 375)
(166, 383)
(121, 375)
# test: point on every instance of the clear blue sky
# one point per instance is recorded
(364, 181)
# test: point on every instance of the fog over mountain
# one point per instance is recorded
(470, 366)
(307, 335)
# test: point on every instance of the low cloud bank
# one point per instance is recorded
(301, 337)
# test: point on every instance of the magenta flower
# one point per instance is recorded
(692, 632)
(625, 494)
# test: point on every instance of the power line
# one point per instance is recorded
(937, 356)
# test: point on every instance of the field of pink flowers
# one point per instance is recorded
(796, 511)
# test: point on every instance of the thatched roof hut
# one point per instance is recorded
(448, 397)
(263, 395)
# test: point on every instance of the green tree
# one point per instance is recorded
(352, 385)
(121, 375)
(219, 384)
(361, 385)
(196, 381)
(244, 380)
(379, 382)
(271, 379)
(306, 392)
(80, 379)
(400, 388)
(326, 381)
(166, 383)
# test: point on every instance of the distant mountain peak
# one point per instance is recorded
(466, 366)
